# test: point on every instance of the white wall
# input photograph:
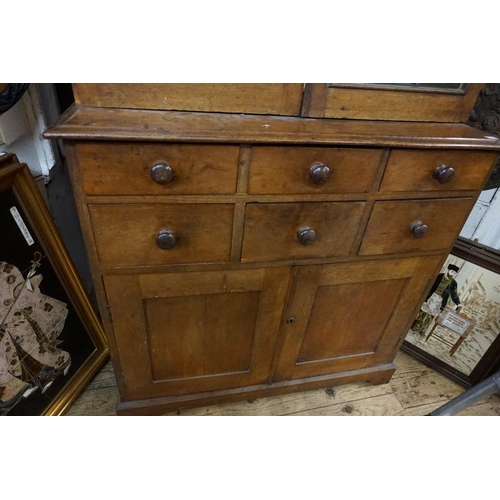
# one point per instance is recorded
(483, 223)
(21, 133)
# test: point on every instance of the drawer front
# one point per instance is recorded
(437, 170)
(272, 230)
(129, 235)
(126, 169)
(296, 170)
(393, 226)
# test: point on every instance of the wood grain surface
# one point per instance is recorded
(271, 230)
(101, 396)
(412, 170)
(267, 98)
(86, 123)
(125, 235)
(285, 170)
(330, 101)
(124, 169)
(388, 229)
(183, 344)
(339, 320)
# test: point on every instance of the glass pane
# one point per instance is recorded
(442, 87)
(448, 86)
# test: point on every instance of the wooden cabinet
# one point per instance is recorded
(239, 255)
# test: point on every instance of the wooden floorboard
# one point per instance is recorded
(415, 389)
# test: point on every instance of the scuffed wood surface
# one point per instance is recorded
(88, 123)
(414, 390)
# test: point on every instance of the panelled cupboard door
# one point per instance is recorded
(351, 315)
(182, 333)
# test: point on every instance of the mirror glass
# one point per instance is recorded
(447, 86)
(407, 86)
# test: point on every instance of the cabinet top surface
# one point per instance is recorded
(112, 124)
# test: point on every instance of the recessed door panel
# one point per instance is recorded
(201, 335)
(349, 319)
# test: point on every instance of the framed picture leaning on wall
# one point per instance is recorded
(457, 330)
(51, 340)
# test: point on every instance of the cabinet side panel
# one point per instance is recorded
(72, 161)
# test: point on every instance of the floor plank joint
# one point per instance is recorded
(414, 390)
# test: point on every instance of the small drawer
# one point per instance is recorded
(436, 170)
(414, 226)
(301, 170)
(111, 168)
(282, 231)
(156, 234)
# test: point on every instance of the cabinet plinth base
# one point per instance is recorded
(376, 375)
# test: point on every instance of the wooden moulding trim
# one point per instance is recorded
(277, 198)
(378, 374)
(86, 123)
(229, 266)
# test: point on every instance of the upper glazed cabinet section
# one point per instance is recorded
(260, 99)
(423, 102)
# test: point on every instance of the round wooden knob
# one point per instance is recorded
(418, 229)
(443, 174)
(161, 173)
(306, 235)
(165, 239)
(319, 173)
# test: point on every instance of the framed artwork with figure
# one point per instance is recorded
(457, 330)
(51, 340)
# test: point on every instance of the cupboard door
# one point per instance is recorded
(350, 316)
(182, 333)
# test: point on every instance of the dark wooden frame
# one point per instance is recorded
(488, 258)
(17, 176)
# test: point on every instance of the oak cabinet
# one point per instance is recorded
(238, 254)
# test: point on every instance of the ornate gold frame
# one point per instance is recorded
(17, 176)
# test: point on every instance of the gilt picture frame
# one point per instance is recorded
(461, 339)
(51, 339)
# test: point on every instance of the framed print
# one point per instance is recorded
(51, 340)
(457, 328)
